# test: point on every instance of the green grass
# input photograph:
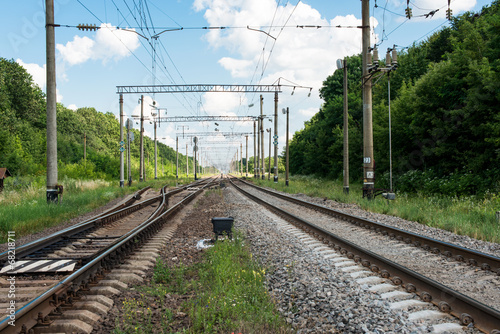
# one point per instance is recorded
(226, 295)
(25, 210)
(472, 215)
(232, 296)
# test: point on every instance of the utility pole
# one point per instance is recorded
(156, 155)
(85, 148)
(390, 66)
(187, 161)
(269, 165)
(258, 143)
(177, 159)
(241, 158)
(129, 140)
(343, 64)
(254, 150)
(246, 159)
(368, 161)
(141, 163)
(262, 137)
(287, 146)
(122, 169)
(275, 137)
(52, 192)
(195, 149)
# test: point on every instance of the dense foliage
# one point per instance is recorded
(445, 119)
(23, 135)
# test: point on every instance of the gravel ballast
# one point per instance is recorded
(311, 291)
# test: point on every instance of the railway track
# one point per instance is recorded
(355, 231)
(49, 276)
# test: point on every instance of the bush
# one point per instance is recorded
(459, 183)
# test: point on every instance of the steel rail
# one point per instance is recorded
(63, 292)
(468, 310)
(461, 254)
(43, 242)
(110, 215)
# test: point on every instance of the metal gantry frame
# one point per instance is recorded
(198, 88)
(206, 88)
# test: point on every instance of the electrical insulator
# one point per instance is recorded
(369, 59)
(388, 57)
(87, 27)
(448, 14)
(375, 56)
(408, 12)
(394, 56)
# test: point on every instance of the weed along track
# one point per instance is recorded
(430, 284)
(62, 283)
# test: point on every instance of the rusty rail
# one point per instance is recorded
(468, 310)
(63, 293)
(461, 254)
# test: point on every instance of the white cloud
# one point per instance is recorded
(77, 51)
(109, 44)
(305, 56)
(39, 75)
(72, 107)
(221, 104)
(309, 112)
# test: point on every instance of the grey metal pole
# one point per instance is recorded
(258, 144)
(177, 157)
(85, 148)
(287, 146)
(368, 163)
(128, 157)
(246, 158)
(156, 155)
(187, 161)
(254, 150)
(263, 160)
(51, 103)
(269, 165)
(241, 158)
(275, 137)
(346, 132)
(194, 156)
(261, 129)
(390, 131)
(122, 169)
(141, 163)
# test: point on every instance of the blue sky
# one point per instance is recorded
(91, 64)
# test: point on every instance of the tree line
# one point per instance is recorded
(23, 143)
(445, 98)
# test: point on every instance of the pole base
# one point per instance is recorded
(368, 192)
(275, 179)
(52, 196)
(122, 184)
(346, 190)
(286, 182)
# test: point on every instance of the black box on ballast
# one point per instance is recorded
(221, 225)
